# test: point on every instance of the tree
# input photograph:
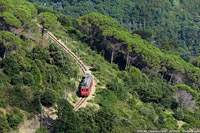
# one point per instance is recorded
(14, 118)
(10, 65)
(36, 74)
(49, 97)
(37, 101)
(169, 46)
(4, 125)
(17, 80)
(196, 61)
(68, 120)
(112, 39)
(42, 129)
(118, 88)
(185, 95)
(48, 21)
(87, 115)
(10, 20)
(9, 41)
(144, 34)
(28, 79)
(105, 120)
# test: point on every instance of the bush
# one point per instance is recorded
(28, 79)
(4, 126)
(118, 88)
(179, 114)
(17, 80)
(49, 97)
(36, 73)
(105, 120)
(42, 129)
(36, 102)
(10, 65)
(14, 118)
(192, 121)
(106, 98)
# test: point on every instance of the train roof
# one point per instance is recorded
(87, 81)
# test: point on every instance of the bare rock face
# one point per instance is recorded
(185, 98)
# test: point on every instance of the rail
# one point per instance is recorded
(79, 62)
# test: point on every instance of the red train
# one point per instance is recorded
(86, 85)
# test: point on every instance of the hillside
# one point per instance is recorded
(141, 87)
(166, 20)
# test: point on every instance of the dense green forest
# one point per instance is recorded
(141, 87)
(166, 20)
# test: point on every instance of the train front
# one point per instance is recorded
(86, 85)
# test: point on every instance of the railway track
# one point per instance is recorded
(79, 62)
(79, 103)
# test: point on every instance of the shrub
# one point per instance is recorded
(10, 65)
(4, 125)
(36, 73)
(179, 114)
(49, 97)
(186, 126)
(28, 79)
(17, 80)
(14, 118)
(118, 88)
(42, 129)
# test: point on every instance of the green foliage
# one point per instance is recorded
(10, 65)
(14, 118)
(49, 97)
(196, 61)
(87, 115)
(74, 33)
(68, 120)
(62, 60)
(11, 20)
(105, 120)
(192, 121)
(118, 88)
(4, 125)
(48, 20)
(144, 34)
(42, 129)
(39, 53)
(186, 126)
(169, 46)
(187, 88)
(179, 114)
(28, 79)
(36, 73)
(9, 41)
(17, 13)
(37, 102)
(153, 88)
(17, 80)
(106, 98)
(178, 21)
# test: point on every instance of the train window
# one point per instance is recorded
(82, 89)
(86, 89)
